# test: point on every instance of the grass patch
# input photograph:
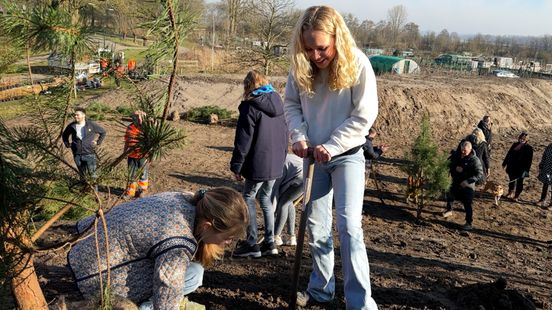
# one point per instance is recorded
(62, 190)
(99, 111)
(203, 114)
(124, 110)
(12, 109)
(137, 54)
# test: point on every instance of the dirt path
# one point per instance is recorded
(429, 265)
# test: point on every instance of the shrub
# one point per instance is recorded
(202, 114)
(124, 110)
(98, 110)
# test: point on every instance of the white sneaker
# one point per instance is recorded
(278, 240)
(292, 241)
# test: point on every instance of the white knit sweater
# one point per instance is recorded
(338, 120)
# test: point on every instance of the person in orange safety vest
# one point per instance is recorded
(137, 184)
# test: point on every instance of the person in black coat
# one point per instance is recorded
(372, 152)
(481, 148)
(465, 170)
(260, 148)
(83, 142)
(517, 163)
(486, 126)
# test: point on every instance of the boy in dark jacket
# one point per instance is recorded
(372, 152)
(83, 142)
(465, 170)
(260, 149)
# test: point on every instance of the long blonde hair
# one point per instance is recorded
(479, 135)
(253, 80)
(227, 212)
(343, 71)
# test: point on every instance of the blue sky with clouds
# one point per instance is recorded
(496, 17)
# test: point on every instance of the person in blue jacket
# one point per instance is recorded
(260, 148)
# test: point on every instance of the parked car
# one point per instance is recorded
(505, 73)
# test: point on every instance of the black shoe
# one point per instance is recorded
(268, 248)
(246, 250)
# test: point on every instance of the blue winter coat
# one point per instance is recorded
(260, 145)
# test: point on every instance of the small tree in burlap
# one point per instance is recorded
(427, 169)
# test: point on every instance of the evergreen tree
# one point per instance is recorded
(427, 169)
(32, 159)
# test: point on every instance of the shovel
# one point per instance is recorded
(301, 234)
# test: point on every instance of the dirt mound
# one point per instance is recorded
(455, 106)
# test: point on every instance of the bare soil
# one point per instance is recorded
(503, 263)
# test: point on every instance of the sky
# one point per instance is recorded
(465, 17)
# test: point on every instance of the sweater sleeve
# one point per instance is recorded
(297, 127)
(365, 110)
(168, 279)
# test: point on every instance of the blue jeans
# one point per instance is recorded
(86, 164)
(135, 166)
(250, 189)
(285, 211)
(340, 180)
(192, 280)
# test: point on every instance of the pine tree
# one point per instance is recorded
(32, 158)
(427, 169)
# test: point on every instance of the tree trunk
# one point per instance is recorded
(24, 285)
(28, 50)
(170, 89)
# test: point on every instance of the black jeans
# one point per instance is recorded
(543, 193)
(515, 181)
(465, 196)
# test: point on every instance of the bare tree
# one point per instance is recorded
(396, 18)
(411, 35)
(366, 28)
(442, 41)
(353, 24)
(235, 8)
(271, 21)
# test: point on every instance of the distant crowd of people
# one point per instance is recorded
(470, 166)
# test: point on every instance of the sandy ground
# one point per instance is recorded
(427, 265)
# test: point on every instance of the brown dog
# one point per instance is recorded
(494, 188)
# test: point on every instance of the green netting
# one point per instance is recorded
(382, 64)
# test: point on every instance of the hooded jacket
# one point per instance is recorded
(260, 145)
(86, 145)
(472, 171)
